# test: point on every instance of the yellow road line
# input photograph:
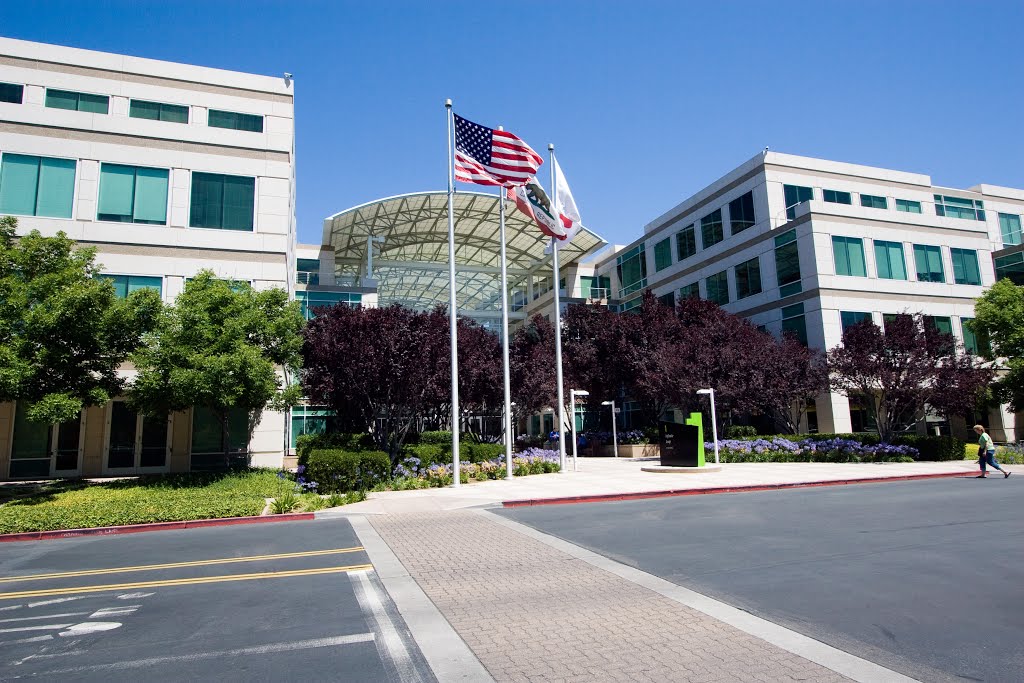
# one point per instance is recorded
(182, 582)
(174, 565)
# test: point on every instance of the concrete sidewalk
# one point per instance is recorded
(532, 607)
(611, 476)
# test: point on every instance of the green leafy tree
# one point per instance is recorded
(220, 347)
(63, 331)
(999, 322)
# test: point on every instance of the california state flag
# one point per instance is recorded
(565, 207)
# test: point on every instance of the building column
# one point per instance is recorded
(1002, 424)
(833, 414)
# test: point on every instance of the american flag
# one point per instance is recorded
(492, 157)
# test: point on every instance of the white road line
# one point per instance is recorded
(36, 639)
(7, 609)
(392, 650)
(87, 627)
(133, 596)
(46, 616)
(114, 611)
(260, 650)
(53, 601)
(47, 627)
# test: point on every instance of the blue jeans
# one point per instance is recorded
(989, 457)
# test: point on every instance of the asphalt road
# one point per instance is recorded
(274, 602)
(926, 578)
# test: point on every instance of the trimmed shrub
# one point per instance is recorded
(339, 471)
(425, 455)
(1010, 454)
(436, 438)
(934, 448)
(479, 452)
(740, 432)
(307, 443)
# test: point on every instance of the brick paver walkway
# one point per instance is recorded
(533, 613)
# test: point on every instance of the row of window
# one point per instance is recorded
(937, 323)
(848, 255)
(712, 231)
(954, 207)
(43, 186)
(137, 109)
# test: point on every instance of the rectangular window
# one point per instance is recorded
(311, 301)
(126, 284)
(837, 197)
(133, 194)
(938, 330)
(158, 111)
(908, 206)
(711, 231)
(30, 454)
(873, 201)
(668, 299)
(208, 439)
(595, 287)
(225, 202)
(970, 339)
(849, 256)
(748, 278)
(36, 186)
(958, 207)
(794, 323)
(9, 92)
(307, 271)
(796, 194)
(632, 270)
(717, 287)
(928, 260)
(1009, 226)
(889, 260)
(77, 101)
(1010, 266)
(663, 254)
(686, 242)
(891, 317)
(741, 213)
(310, 420)
(851, 318)
(965, 266)
(689, 291)
(787, 264)
(252, 123)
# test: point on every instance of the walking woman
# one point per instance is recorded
(987, 453)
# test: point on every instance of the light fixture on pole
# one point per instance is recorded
(615, 437)
(714, 422)
(573, 393)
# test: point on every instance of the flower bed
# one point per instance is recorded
(410, 474)
(779, 449)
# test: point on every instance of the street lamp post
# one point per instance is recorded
(573, 393)
(615, 437)
(714, 423)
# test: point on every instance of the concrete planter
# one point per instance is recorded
(633, 450)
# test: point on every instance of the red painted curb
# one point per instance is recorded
(568, 500)
(153, 526)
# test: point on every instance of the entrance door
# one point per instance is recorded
(67, 450)
(135, 443)
(39, 450)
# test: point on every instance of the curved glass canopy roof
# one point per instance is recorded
(410, 266)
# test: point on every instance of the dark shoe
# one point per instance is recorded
(981, 476)
(1006, 474)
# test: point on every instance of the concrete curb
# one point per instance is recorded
(640, 495)
(155, 526)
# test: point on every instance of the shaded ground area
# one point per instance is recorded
(296, 602)
(926, 578)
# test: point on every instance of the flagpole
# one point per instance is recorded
(558, 325)
(504, 336)
(452, 310)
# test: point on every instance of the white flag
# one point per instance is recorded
(565, 209)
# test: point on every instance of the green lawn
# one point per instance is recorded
(164, 498)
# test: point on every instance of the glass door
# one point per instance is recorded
(135, 443)
(68, 449)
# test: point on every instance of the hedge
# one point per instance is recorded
(352, 443)
(339, 471)
(427, 454)
(934, 448)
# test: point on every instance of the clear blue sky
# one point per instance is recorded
(647, 102)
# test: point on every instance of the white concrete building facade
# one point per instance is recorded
(810, 246)
(166, 169)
